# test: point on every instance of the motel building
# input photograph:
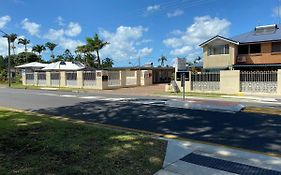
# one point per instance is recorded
(76, 75)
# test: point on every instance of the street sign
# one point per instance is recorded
(180, 64)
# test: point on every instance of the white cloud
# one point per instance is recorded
(70, 44)
(31, 27)
(60, 21)
(3, 46)
(53, 34)
(124, 42)
(145, 52)
(73, 29)
(62, 36)
(4, 20)
(153, 8)
(204, 27)
(175, 13)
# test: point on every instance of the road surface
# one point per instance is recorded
(251, 131)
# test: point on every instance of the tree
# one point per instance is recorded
(13, 38)
(27, 57)
(162, 60)
(68, 56)
(107, 63)
(87, 57)
(39, 49)
(51, 47)
(95, 44)
(24, 42)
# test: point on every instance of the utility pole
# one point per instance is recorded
(139, 70)
(9, 56)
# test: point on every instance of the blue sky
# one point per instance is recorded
(145, 28)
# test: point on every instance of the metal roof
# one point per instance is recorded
(32, 65)
(219, 37)
(64, 65)
(259, 34)
(267, 33)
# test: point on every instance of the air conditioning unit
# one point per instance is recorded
(241, 59)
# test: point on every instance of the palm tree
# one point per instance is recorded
(39, 49)
(85, 50)
(24, 42)
(51, 47)
(96, 44)
(162, 60)
(13, 38)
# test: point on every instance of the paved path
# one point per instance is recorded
(257, 132)
(189, 158)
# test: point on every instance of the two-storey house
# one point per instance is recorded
(259, 49)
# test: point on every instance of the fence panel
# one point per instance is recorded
(71, 78)
(131, 78)
(114, 78)
(41, 78)
(55, 79)
(29, 78)
(205, 81)
(89, 78)
(258, 81)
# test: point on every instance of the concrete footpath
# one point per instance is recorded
(189, 158)
(208, 105)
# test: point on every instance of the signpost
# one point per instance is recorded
(181, 69)
(183, 85)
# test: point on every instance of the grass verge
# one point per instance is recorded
(33, 144)
(272, 111)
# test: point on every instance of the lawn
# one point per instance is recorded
(33, 144)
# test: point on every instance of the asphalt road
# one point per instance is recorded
(257, 132)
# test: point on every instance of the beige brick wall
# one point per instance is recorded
(229, 81)
(217, 61)
(80, 79)
(62, 79)
(48, 78)
(279, 82)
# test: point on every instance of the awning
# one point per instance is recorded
(256, 65)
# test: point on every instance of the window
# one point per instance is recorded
(276, 47)
(243, 49)
(252, 48)
(218, 49)
(255, 48)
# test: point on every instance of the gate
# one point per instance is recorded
(55, 79)
(258, 81)
(41, 78)
(131, 78)
(89, 78)
(114, 78)
(205, 81)
(71, 78)
(29, 78)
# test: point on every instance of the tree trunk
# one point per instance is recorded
(25, 49)
(98, 58)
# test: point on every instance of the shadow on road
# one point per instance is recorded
(244, 130)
